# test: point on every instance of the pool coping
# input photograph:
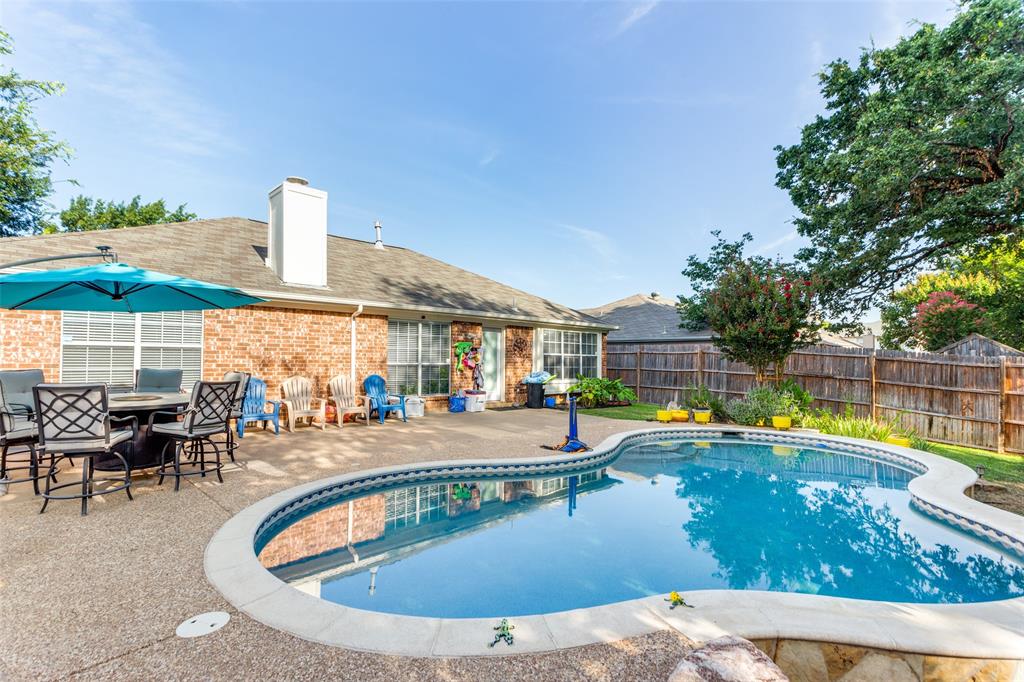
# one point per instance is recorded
(977, 630)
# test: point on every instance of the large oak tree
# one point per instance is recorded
(918, 160)
(26, 151)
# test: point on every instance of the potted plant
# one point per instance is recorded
(700, 401)
(899, 438)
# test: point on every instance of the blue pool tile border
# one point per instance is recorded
(981, 630)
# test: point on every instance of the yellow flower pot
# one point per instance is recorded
(680, 415)
(702, 417)
(782, 422)
(898, 440)
(783, 450)
(664, 415)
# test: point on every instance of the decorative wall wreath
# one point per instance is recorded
(520, 347)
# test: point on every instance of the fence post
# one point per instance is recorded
(639, 359)
(874, 405)
(1001, 439)
(700, 365)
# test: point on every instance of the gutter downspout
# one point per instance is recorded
(352, 361)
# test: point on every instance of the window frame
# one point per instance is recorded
(420, 364)
(137, 344)
(566, 342)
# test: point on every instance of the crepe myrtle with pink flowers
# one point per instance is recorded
(760, 314)
(945, 318)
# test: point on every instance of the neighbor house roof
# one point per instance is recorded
(231, 251)
(642, 318)
(979, 344)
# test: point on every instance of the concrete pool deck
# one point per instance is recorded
(99, 597)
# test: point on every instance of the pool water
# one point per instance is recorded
(675, 515)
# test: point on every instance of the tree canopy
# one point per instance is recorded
(85, 214)
(919, 158)
(703, 275)
(26, 151)
(760, 314)
(994, 282)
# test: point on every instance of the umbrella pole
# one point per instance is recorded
(105, 252)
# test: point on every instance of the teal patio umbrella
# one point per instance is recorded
(114, 287)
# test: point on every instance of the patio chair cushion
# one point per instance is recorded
(17, 388)
(22, 430)
(158, 380)
(177, 430)
(90, 444)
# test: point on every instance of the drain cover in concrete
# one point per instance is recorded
(203, 624)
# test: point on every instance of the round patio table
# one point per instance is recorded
(141, 406)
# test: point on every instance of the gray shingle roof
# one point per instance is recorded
(645, 318)
(231, 251)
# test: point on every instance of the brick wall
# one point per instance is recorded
(30, 339)
(275, 343)
(518, 362)
(325, 531)
(471, 332)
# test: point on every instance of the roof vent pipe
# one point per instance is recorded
(379, 244)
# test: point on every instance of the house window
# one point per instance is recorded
(416, 505)
(419, 357)
(109, 347)
(550, 486)
(569, 354)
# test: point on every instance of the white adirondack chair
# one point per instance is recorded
(299, 401)
(343, 395)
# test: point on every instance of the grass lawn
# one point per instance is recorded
(639, 411)
(997, 467)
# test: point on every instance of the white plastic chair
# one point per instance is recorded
(300, 403)
(343, 395)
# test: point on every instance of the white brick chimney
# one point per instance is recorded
(297, 233)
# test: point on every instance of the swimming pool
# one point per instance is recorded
(658, 515)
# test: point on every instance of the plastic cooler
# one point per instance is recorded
(414, 406)
(476, 401)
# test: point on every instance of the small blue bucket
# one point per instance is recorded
(456, 404)
(549, 402)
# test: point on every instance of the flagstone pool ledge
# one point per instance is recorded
(987, 630)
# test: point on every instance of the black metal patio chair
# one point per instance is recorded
(150, 380)
(73, 421)
(242, 379)
(207, 415)
(18, 430)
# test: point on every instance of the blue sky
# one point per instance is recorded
(577, 150)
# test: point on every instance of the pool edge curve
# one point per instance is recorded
(975, 630)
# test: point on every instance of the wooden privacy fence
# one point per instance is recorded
(961, 400)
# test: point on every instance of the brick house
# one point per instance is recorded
(335, 305)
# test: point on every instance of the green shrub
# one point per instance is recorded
(597, 392)
(699, 397)
(863, 427)
(801, 400)
(743, 412)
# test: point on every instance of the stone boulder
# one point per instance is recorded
(727, 659)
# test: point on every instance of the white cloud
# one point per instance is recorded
(636, 13)
(489, 157)
(597, 242)
(107, 49)
(772, 245)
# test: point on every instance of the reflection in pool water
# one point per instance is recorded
(676, 515)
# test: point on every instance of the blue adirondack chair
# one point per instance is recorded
(377, 391)
(254, 407)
